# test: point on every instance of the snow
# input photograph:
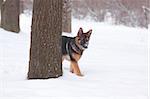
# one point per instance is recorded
(115, 66)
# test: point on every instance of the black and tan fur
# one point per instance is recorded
(73, 47)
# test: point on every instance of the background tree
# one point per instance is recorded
(66, 15)
(1, 1)
(10, 15)
(26, 6)
(45, 51)
(21, 6)
(126, 12)
(147, 15)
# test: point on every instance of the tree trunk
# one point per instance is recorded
(10, 15)
(1, 2)
(66, 18)
(45, 51)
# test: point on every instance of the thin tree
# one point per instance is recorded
(45, 50)
(1, 2)
(10, 15)
(66, 16)
(147, 14)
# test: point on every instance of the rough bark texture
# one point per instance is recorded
(10, 15)
(66, 25)
(45, 51)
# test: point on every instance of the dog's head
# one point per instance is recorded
(83, 38)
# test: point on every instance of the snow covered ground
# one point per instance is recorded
(115, 66)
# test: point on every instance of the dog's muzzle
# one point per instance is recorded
(86, 45)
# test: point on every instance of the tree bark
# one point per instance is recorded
(66, 16)
(45, 50)
(1, 2)
(10, 15)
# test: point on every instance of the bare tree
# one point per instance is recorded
(147, 15)
(10, 15)
(45, 51)
(1, 1)
(66, 16)
(127, 12)
(28, 4)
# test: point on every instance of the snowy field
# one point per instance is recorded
(115, 66)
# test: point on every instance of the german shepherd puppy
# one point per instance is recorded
(73, 47)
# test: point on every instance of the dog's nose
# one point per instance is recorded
(85, 45)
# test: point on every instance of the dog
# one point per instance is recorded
(73, 48)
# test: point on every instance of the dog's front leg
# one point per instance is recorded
(71, 68)
(75, 68)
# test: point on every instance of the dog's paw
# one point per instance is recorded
(71, 71)
(81, 75)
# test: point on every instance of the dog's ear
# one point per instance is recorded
(80, 32)
(89, 32)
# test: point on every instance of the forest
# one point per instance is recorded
(74, 49)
